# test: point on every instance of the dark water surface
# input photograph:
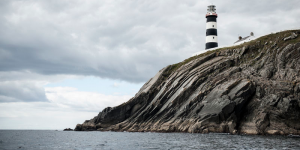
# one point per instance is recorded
(47, 139)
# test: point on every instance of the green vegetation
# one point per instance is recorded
(259, 43)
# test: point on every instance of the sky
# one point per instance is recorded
(63, 61)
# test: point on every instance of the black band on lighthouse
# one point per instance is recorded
(211, 32)
(211, 45)
(211, 18)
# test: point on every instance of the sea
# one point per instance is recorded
(96, 140)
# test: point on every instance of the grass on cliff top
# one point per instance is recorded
(274, 37)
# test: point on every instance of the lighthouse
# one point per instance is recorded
(211, 27)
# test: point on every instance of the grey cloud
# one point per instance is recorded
(16, 91)
(26, 86)
(46, 46)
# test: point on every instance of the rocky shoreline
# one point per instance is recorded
(253, 88)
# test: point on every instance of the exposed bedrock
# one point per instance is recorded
(253, 88)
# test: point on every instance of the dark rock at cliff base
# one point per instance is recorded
(253, 88)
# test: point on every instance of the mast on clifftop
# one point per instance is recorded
(211, 27)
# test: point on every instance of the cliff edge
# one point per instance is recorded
(253, 88)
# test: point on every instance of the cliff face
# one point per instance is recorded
(253, 88)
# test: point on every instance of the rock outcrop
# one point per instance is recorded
(68, 129)
(253, 88)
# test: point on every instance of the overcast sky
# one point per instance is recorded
(61, 62)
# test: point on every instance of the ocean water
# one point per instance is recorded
(69, 140)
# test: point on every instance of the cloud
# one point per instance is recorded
(112, 41)
(26, 86)
(69, 97)
(66, 107)
(16, 91)
(124, 40)
(116, 85)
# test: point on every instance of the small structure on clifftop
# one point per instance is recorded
(211, 27)
(245, 39)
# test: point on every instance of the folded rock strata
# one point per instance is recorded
(253, 88)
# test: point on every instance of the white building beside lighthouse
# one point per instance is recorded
(245, 39)
(211, 27)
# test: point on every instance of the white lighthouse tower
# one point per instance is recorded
(211, 27)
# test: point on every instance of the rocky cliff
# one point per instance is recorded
(253, 88)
